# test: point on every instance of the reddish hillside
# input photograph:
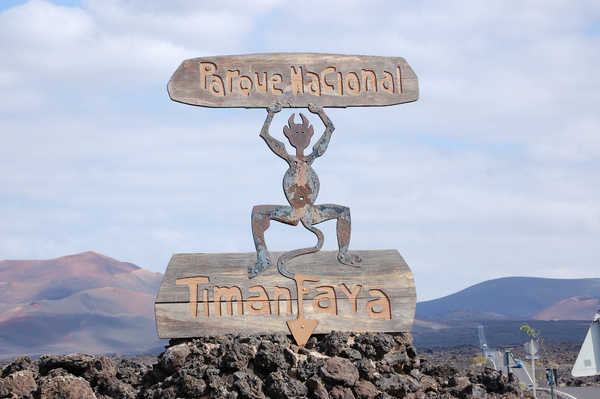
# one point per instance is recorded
(32, 280)
(574, 308)
(83, 302)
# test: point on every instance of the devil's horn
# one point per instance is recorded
(291, 120)
(304, 120)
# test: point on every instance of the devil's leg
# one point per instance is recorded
(342, 214)
(261, 220)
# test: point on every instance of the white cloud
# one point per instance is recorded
(492, 172)
(109, 44)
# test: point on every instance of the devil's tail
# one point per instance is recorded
(287, 256)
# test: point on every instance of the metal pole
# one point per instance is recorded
(554, 382)
(533, 369)
(551, 377)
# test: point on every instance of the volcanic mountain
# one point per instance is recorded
(516, 298)
(86, 302)
(560, 308)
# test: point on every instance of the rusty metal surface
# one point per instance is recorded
(301, 187)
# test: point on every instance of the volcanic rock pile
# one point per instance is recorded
(336, 365)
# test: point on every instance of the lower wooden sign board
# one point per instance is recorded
(210, 294)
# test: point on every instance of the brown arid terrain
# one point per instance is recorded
(86, 300)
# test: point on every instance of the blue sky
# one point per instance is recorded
(6, 4)
(493, 172)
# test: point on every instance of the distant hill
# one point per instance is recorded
(573, 308)
(516, 298)
(86, 302)
(561, 308)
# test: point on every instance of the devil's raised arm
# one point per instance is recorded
(321, 146)
(275, 145)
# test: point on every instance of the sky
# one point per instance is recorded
(493, 172)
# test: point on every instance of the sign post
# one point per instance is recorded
(507, 355)
(551, 377)
(301, 291)
(531, 348)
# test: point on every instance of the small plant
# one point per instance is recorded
(532, 333)
(478, 360)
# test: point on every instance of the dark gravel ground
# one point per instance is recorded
(560, 356)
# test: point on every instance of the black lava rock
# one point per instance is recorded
(335, 365)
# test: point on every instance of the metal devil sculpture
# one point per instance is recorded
(301, 187)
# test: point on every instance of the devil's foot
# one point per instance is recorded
(349, 259)
(261, 264)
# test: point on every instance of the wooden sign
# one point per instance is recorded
(210, 294)
(294, 80)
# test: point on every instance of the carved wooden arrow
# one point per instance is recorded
(302, 328)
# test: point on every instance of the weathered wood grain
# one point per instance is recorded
(352, 303)
(294, 80)
(384, 269)
(174, 321)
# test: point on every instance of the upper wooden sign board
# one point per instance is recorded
(294, 80)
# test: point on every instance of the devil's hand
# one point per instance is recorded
(274, 108)
(315, 109)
